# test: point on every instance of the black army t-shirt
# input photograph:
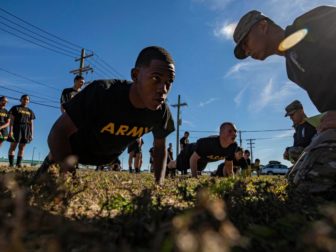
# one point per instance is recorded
(303, 134)
(4, 116)
(22, 115)
(184, 141)
(107, 122)
(210, 150)
(68, 94)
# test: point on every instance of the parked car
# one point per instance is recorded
(274, 167)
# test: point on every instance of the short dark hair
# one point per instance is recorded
(187, 132)
(224, 124)
(24, 96)
(247, 152)
(78, 77)
(2, 97)
(257, 160)
(151, 53)
(239, 149)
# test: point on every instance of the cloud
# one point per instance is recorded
(211, 100)
(237, 68)
(239, 96)
(214, 4)
(225, 31)
(271, 95)
(188, 123)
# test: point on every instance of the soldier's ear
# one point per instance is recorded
(134, 74)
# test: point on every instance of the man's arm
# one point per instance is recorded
(193, 164)
(6, 124)
(228, 168)
(159, 159)
(32, 129)
(58, 140)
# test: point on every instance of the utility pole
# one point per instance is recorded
(251, 143)
(240, 138)
(82, 69)
(179, 121)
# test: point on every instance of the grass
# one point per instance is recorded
(117, 211)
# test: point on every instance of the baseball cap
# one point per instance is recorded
(292, 107)
(244, 26)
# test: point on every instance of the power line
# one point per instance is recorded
(32, 95)
(26, 78)
(254, 131)
(50, 34)
(44, 37)
(48, 48)
(112, 68)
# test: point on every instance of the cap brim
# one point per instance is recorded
(239, 52)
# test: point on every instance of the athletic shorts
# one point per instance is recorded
(4, 133)
(85, 156)
(21, 133)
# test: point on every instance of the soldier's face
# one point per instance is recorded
(3, 102)
(25, 101)
(154, 83)
(255, 43)
(238, 155)
(228, 134)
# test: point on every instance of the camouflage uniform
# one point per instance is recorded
(315, 170)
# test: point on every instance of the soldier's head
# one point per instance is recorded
(295, 112)
(186, 134)
(153, 76)
(239, 153)
(257, 36)
(228, 133)
(247, 154)
(78, 82)
(24, 100)
(3, 101)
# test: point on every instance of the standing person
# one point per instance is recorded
(21, 129)
(103, 119)
(68, 93)
(304, 131)
(184, 140)
(247, 157)
(209, 149)
(311, 64)
(4, 119)
(170, 157)
(256, 166)
(151, 159)
(135, 155)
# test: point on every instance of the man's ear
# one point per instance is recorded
(134, 74)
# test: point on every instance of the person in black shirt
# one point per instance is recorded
(103, 119)
(209, 149)
(135, 153)
(21, 129)
(184, 140)
(68, 93)
(304, 132)
(4, 119)
(239, 164)
(170, 157)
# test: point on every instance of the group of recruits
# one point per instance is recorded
(19, 120)
(16, 126)
(108, 115)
